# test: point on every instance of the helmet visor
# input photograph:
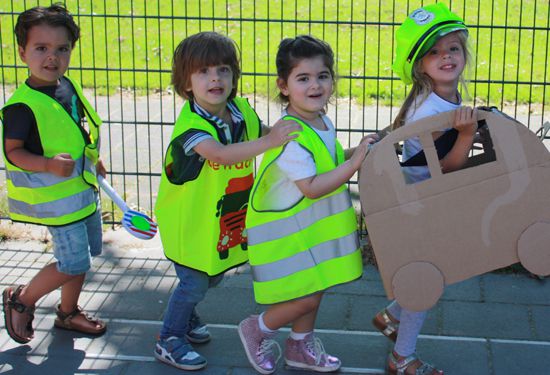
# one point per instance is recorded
(434, 37)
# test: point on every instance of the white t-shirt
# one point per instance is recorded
(295, 163)
(433, 104)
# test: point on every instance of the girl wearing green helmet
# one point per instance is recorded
(431, 54)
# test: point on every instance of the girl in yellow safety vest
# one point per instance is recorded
(302, 228)
(431, 54)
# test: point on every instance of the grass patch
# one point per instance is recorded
(19, 231)
(109, 211)
(3, 202)
(5, 232)
(129, 45)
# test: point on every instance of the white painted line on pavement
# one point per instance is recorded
(363, 333)
(453, 338)
(350, 370)
(521, 342)
(141, 358)
(137, 321)
(121, 357)
(355, 370)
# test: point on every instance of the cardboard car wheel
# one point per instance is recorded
(533, 248)
(417, 286)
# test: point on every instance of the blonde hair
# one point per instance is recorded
(423, 84)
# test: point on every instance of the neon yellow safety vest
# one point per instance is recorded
(44, 198)
(305, 248)
(201, 221)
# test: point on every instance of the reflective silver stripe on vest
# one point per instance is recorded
(89, 166)
(41, 179)
(307, 259)
(285, 227)
(55, 208)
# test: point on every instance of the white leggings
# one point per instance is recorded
(410, 324)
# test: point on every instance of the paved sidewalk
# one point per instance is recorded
(495, 324)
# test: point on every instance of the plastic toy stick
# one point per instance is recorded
(136, 223)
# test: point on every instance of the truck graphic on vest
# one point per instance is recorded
(231, 209)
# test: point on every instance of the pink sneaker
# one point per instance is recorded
(310, 354)
(259, 346)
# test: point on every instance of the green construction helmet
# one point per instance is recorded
(420, 31)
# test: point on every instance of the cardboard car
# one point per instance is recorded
(492, 213)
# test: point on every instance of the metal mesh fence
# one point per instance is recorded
(123, 60)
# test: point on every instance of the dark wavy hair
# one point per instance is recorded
(292, 50)
(56, 15)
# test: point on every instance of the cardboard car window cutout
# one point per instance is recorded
(492, 213)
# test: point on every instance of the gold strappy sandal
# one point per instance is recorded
(399, 367)
(386, 325)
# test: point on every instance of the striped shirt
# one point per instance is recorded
(228, 133)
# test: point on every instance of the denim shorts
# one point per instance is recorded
(75, 244)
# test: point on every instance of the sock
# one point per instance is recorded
(298, 336)
(263, 327)
(394, 310)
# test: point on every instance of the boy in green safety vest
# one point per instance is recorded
(205, 184)
(51, 166)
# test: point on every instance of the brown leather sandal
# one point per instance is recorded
(91, 326)
(384, 323)
(11, 302)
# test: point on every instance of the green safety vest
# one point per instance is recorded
(308, 247)
(44, 198)
(201, 221)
